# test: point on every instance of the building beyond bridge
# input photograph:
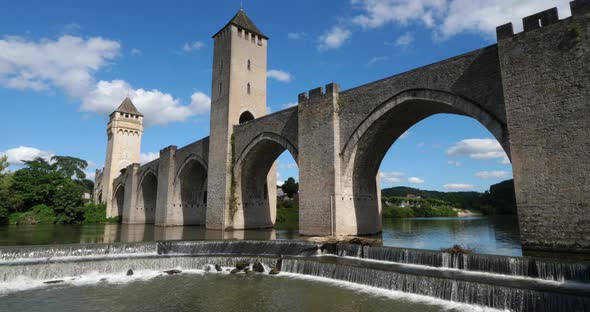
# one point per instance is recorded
(530, 90)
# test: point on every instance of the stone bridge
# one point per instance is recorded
(530, 90)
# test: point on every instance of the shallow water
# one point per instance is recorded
(220, 292)
(490, 235)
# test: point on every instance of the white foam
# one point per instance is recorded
(392, 294)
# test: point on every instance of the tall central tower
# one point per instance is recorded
(238, 95)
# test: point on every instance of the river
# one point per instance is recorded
(489, 235)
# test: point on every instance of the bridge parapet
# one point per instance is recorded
(542, 19)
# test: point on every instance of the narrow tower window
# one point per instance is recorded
(248, 88)
(248, 64)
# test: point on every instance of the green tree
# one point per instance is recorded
(67, 203)
(4, 186)
(3, 165)
(70, 166)
(36, 184)
(290, 187)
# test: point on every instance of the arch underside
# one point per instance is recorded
(256, 181)
(147, 199)
(118, 201)
(364, 152)
(190, 193)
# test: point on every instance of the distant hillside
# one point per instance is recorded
(499, 200)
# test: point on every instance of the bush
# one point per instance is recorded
(40, 214)
(97, 213)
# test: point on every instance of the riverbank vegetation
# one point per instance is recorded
(47, 192)
(499, 200)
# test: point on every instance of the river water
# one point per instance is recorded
(489, 235)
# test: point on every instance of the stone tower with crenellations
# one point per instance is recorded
(124, 133)
(238, 94)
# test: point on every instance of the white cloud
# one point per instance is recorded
(192, 46)
(415, 180)
(17, 155)
(504, 161)
(391, 177)
(288, 166)
(459, 187)
(136, 52)
(477, 149)
(296, 35)
(334, 38)
(420, 145)
(145, 158)
(493, 174)
(377, 59)
(158, 108)
(68, 63)
(405, 40)
(90, 175)
(290, 104)
(451, 17)
(454, 163)
(279, 75)
(405, 135)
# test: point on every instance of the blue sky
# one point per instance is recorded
(64, 65)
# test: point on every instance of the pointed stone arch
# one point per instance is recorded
(189, 198)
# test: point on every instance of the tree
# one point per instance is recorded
(3, 165)
(70, 166)
(290, 187)
(35, 184)
(67, 203)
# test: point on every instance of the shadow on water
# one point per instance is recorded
(491, 235)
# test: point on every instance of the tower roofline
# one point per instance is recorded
(127, 107)
(241, 20)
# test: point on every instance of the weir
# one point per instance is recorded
(509, 283)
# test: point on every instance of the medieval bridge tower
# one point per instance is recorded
(238, 95)
(530, 90)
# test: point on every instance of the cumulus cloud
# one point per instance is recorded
(70, 63)
(447, 18)
(279, 75)
(405, 40)
(290, 104)
(391, 177)
(288, 166)
(17, 155)
(415, 180)
(459, 187)
(159, 108)
(334, 38)
(477, 149)
(296, 35)
(493, 174)
(405, 135)
(377, 59)
(192, 46)
(90, 175)
(136, 52)
(145, 158)
(454, 163)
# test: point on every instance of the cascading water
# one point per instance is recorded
(514, 283)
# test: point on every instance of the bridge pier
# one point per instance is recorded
(546, 89)
(131, 214)
(166, 214)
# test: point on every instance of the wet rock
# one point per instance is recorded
(274, 271)
(53, 282)
(234, 271)
(172, 272)
(218, 268)
(130, 272)
(242, 265)
(104, 279)
(207, 268)
(258, 267)
(279, 263)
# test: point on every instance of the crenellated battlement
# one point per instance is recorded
(331, 90)
(542, 19)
